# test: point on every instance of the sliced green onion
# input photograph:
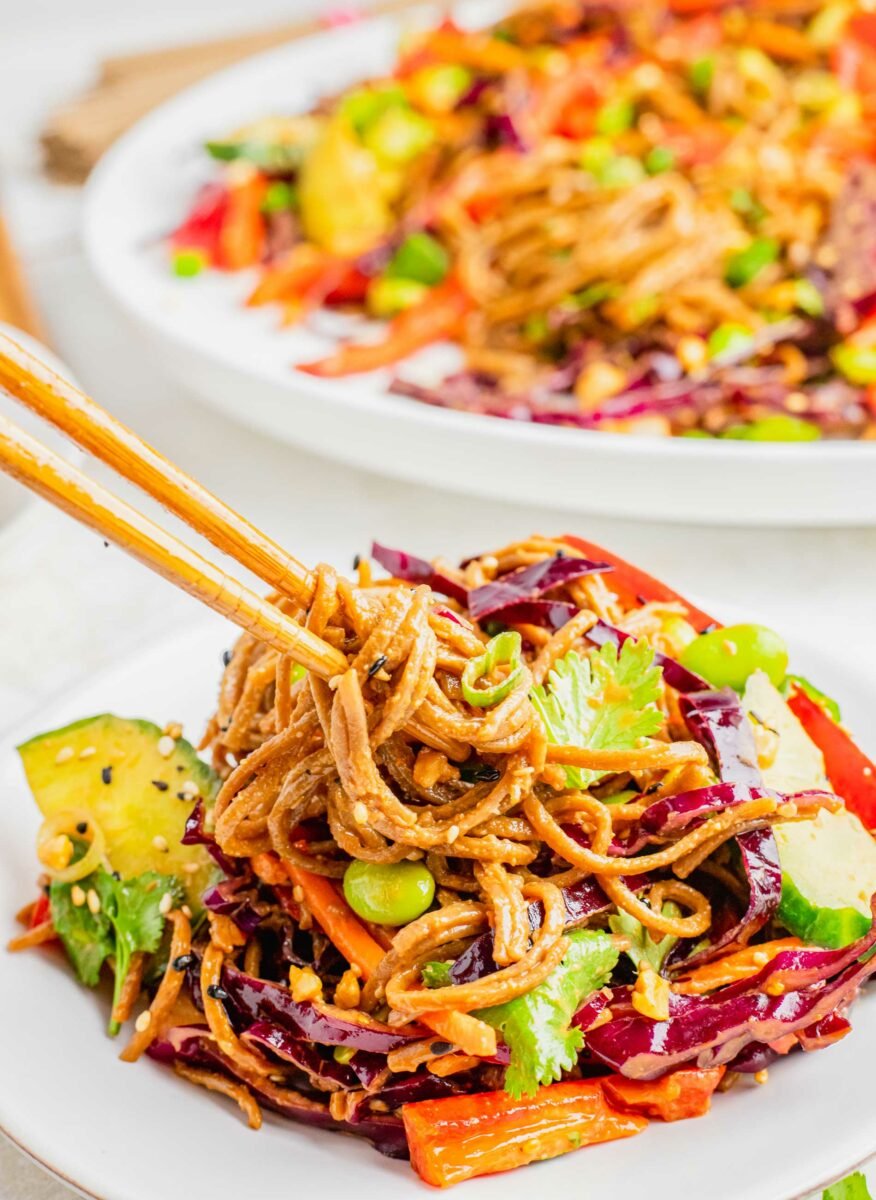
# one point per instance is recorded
(502, 650)
(280, 197)
(440, 87)
(621, 171)
(420, 257)
(857, 363)
(343, 1054)
(595, 153)
(659, 159)
(700, 74)
(388, 297)
(745, 266)
(590, 296)
(729, 341)
(188, 263)
(808, 298)
(398, 135)
(617, 116)
(535, 327)
(364, 106)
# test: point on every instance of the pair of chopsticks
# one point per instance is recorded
(100, 434)
(16, 306)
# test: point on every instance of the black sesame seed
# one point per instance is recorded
(160, 784)
(106, 545)
(356, 560)
(180, 768)
(479, 773)
(116, 876)
(226, 657)
(82, 827)
(215, 992)
(106, 774)
(183, 961)
(378, 665)
(441, 1047)
(181, 796)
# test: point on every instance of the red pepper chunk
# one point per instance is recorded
(635, 586)
(460, 1137)
(851, 773)
(675, 1097)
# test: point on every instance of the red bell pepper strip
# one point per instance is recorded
(460, 1137)
(439, 316)
(41, 912)
(851, 773)
(636, 586)
(675, 1097)
(242, 236)
(201, 228)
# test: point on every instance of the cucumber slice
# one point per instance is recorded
(115, 769)
(828, 877)
(798, 765)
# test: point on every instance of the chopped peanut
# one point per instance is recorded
(597, 382)
(651, 994)
(56, 853)
(305, 984)
(348, 991)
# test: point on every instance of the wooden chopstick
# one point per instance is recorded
(16, 306)
(91, 427)
(38, 468)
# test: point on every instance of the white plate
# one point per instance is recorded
(13, 497)
(240, 361)
(119, 1132)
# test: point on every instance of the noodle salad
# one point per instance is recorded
(629, 219)
(555, 856)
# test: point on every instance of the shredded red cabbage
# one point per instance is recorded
(713, 1030)
(417, 570)
(529, 583)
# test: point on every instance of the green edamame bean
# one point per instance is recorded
(389, 893)
(726, 657)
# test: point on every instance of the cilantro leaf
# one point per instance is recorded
(537, 1026)
(853, 1187)
(603, 700)
(436, 974)
(129, 920)
(644, 947)
(87, 938)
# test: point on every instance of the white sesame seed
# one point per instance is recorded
(64, 754)
(729, 647)
(297, 894)
(165, 904)
(88, 751)
(452, 834)
(360, 813)
(143, 1021)
(166, 746)
(186, 911)
(93, 901)
(868, 771)
(190, 789)
(191, 868)
(77, 895)
(160, 843)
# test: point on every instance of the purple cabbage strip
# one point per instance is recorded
(361, 1072)
(222, 898)
(254, 1000)
(583, 900)
(674, 673)
(192, 1045)
(417, 570)
(716, 720)
(529, 583)
(195, 834)
(546, 614)
(714, 1030)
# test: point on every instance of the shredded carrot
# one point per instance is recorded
(343, 927)
(732, 967)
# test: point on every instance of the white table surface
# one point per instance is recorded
(69, 606)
